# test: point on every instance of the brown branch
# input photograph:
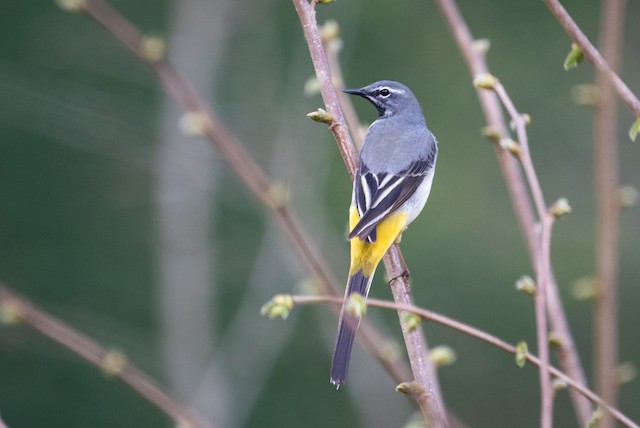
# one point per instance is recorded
(593, 55)
(254, 177)
(469, 330)
(475, 59)
(429, 399)
(608, 207)
(99, 356)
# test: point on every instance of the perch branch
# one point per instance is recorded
(429, 398)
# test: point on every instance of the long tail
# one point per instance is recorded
(347, 327)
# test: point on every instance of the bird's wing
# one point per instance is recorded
(378, 195)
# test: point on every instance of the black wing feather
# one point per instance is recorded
(371, 207)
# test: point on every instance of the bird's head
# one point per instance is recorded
(388, 97)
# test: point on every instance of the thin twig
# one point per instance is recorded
(475, 59)
(525, 157)
(608, 207)
(254, 177)
(481, 335)
(429, 399)
(307, 15)
(114, 364)
(332, 48)
(543, 279)
(593, 55)
(541, 257)
(490, 106)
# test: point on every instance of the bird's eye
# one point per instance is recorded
(385, 92)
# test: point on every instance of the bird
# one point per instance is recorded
(391, 186)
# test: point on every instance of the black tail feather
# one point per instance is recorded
(347, 327)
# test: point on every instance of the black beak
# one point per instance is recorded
(358, 91)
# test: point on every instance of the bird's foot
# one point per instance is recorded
(404, 275)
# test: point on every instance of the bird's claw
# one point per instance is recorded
(404, 275)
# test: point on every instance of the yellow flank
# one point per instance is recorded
(366, 256)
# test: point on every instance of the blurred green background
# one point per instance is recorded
(114, 221)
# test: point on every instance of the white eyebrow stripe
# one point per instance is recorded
(395, 91)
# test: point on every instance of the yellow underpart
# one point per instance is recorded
(366, 256)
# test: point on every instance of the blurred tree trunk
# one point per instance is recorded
(186, 191)
(608, 208)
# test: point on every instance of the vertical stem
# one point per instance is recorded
(332, 48)
(307, 15)
(541, 259)
(543, 266)
(608, 208)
